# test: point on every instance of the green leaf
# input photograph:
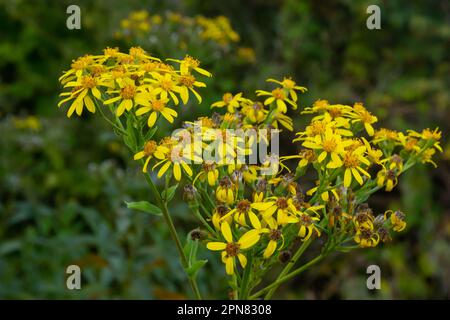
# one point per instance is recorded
(144, 206)
(130, 138)
(170, 192)
(195, 267)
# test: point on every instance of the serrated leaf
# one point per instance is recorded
(144, 206)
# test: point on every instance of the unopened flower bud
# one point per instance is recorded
(189, 192)
(198, 234)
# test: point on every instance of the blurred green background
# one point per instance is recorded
(63, 183)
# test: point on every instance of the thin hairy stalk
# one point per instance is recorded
(194, 208)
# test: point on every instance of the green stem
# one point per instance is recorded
(246, 278)
(194, 208)
(287, 277)
(235, 283)
(173, 232)
(289, 266)
(108, 120)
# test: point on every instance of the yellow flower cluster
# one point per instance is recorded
(133, 82)
(254, 209)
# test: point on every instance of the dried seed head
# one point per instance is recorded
(384, 234)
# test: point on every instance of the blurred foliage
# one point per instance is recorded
(60, 207)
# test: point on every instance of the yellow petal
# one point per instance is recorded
(144, 168)
(121, 108)
(112, 100)
(357, 176)
(184, 94)
(211, 178)
(216, 246)
(254, 220)
(242, 260)
(271, 247)
(177, 171)
(322, 156)
(229, 265)
(152, 119)
(139, 155)
(142, 110)
(347, 178)
(89, 104)
(249, 239)
(96, 93)
(163, 169)
(187, 169)
(226, 231)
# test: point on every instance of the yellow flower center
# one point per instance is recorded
(150, 147)
(126, 59)
(410, 144)
(166, 84)
(149, 66)
(329, 145)
(110, 51)
(428, 134)
(318, 127)
(207, 122)
(227, 97)
(351, 160)
(278, 93)
(335, 112)
(364, 115)
(82, 63)
(187, 80)
(191, 62)
(288, 83)
(320, 104)
(137, 52)
(88, 82)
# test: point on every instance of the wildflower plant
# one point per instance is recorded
(257, 210)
